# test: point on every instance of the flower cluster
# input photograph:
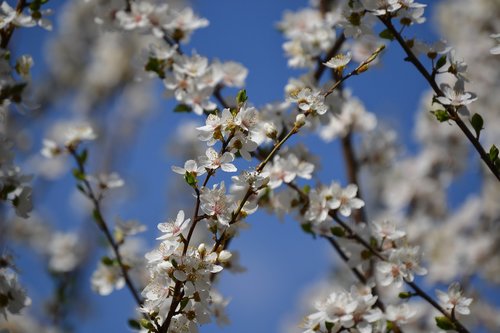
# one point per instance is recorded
(354, 310)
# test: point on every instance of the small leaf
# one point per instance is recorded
(306, 189)
(190, 179)
(493, 153)
(441, 115)
(477, 123)
(444, 323)
(386, 34)
(184, 302)
(134, 324)
(78, 174)
(441, 62)
(81, 189)
(107, 261)
(182, 108)
(338, 231)
(147, 324)
(82, 158)
(405, 294)
(307, 228)
(241, 97)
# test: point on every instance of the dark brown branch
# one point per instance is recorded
(411, 57)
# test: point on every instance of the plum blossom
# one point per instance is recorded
(456, 97)
(213, 160)
(454, 300)
(339, 61)
(172, 229)
(217, 204)
(495, 50)
(190, 167)
(344, 199)
(402, 264)
(309, 101)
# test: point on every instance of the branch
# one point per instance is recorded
(101, 223)
(411, 57)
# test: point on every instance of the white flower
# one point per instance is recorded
(403, 263)
(172, 229)
(309, 100)
(339, 61)
(51, 149)
(213, 160)
(242, 144)
(218, 306)
(190, 167)
(234, 74)
(353, 117)
(79, 132)
(129, 227)
(182, 24)
(456, 97)
(65, 252)
(400, 314)
(107, 181)
(454, 300)
(345, 199)
(23, 65)
(496, 49)
(107, 278)
(386, 230)
(381, 7)
(216, 203)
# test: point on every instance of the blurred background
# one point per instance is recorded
(82, 72)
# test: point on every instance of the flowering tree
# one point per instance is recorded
(410, 256)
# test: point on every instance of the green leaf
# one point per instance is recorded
(78, 174)
(338, 231)
(306, 189)
(405, 294)
(441, 62)
(147, 324)
(477, 123)
(82, 158)
(307, 228)
(182, 108)
(184, 302)
(441, 115)
(444, 323)
(81, 189)
(134, 324)
(241, 97)
(328, 326)
(386, 34)
(107, 261)
(493, 153)
(190, 179)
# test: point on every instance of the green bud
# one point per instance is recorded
(441, 115)
(444, 323)
(134, 324)
(386, 34)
